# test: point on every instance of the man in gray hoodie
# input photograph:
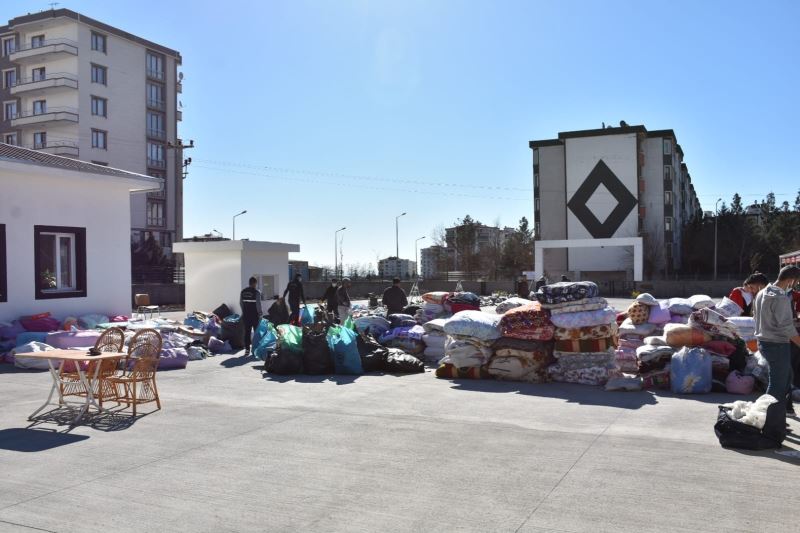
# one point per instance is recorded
(774, 318)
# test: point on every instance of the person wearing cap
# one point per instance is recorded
(394, 298)
(343, 299)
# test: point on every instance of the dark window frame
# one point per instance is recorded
(3, 265)
(100, 134)
(100, 68)
(80, 263)
(98, 37)
(96, 99)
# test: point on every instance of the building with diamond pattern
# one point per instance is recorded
(610, 203)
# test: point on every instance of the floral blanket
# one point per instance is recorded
(567, 291)
(599, 317)
(589, 332)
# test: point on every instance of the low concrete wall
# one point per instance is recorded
(360, 289)
(161, 293)
(667, 289)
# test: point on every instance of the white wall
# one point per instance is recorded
(98, 203)
(265, 264)
(618, 152)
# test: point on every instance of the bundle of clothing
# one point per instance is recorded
(520, 360)
(470, 336)
(527, 322)
(462, 301)
(585, 333)
(406, 338)
(434, 339)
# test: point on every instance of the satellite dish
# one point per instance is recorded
(180, 75)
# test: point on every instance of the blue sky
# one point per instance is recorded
(318, 115)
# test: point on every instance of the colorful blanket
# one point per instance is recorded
(567, 291)
(585, 345)
(599, 317)
(590, 304)
(589, 332)
(576, 361)
(527, 322)
(597, 375)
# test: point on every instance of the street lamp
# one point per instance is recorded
(416, 256)
(336, 251)
(218, 232)
(397, 236)
(716, 218)
(234, 222)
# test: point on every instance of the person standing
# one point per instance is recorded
(343, 299)
(523, 288)
(250, 303)
(541, 282)
(330, 298)
(743, 296)
(775, 330)
(295, 291)
(394, 298)
(278, 313)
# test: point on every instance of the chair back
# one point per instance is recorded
(111, 340)
(146, 343)
(141, 300)
(144, 368)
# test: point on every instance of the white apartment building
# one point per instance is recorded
(75, 87)
(392, 267)
(435, 260)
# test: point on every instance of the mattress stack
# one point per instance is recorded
(470, 335)
(585, 333)
(525, 350)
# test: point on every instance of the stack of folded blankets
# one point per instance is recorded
(585, 333)
(434, 340)
(653, 359)
(641, 323)
(525, 350)
(746, 329)
(433, 306)
(468, 347)
(462, 301)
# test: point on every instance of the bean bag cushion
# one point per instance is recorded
(40, 323)
(30, 363)
(31, 336)
(72, 339)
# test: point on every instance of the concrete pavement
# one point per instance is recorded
(233, 450)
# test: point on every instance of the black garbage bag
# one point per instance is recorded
(316, 354)
(399, 362)
(411, 310)
(222, 312)
(734, 434)
(284, 362)
(233, 331)
(738, 359)
(373, 355)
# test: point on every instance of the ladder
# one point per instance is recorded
(414, 296)
(459, 287)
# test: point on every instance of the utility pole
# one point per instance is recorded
(336, 252)
(397, 235)
(716, 219)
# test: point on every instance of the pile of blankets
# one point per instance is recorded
(434, 339)
(585, 333)
(470, 335)
(525, 350)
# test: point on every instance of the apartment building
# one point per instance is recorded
(615, 183)
(435, 260)
(392, 267)
(76, 87)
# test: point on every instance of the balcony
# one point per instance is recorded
(154, 74)
(39, 51)
(52, 114)
(156, 163)
(159, 105)
(40, 84)
(65, 148)
(156, 134)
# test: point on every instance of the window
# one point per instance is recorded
(38, 74)
(667, 172)
(155, 154)
(99, 42)
(9, 46)
(667, 223)
(155, 124)
(100, 139)
(155, 66)
(39, 107)
(668, 197)
(667, 147)
(155, 213)
(9, 78)
(60, 262)
(10, 138)
(37, 41)
(99, 75)
(267, 285)
(40, 139)
(3, 265)
(535, 156)
(99, 106)
(155, 95)
(10, 109)
(537, 205)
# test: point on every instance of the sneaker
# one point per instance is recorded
(247, 352)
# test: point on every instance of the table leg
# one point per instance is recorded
(55, 387)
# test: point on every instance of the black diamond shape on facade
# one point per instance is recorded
(602, 175)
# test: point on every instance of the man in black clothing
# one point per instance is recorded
(250, 303)
(330, 299)
(394, 298)
(295, 291)
(278, 313)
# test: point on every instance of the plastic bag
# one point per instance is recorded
(284, 362)
(342, 344)
(290, 337)
(690, 371)
(316, 357)
(267, 342)
(306, 316)
(349, 324)
(261, 330)
(400, 362)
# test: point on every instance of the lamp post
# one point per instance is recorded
(397, 235)
(336, 252)
(716, 219)
(234, 222)
(416, 256)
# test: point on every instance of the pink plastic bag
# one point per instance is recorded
(738, 383)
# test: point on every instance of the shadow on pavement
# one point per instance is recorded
(116, 419)
(233, 362)
(35, 440)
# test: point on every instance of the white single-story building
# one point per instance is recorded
(217, 271)
(65, 229)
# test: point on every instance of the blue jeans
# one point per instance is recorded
(778, 354)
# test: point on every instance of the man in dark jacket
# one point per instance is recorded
(295, 291)
(330, 298)
(278, 313)
(523, 288)
(250, 303)
(394, 298)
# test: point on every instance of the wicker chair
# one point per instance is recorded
(111, 340)
(138, 384)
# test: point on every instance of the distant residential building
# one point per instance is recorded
(435, 261)
(393, 267)
(484, 236)
(77, 87)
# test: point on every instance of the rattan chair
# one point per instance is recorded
(111, 340)
(138, 384)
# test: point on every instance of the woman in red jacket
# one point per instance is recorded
(744, 295)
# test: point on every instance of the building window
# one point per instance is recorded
(668, 197)
(155, 66)
(10, 138)
(39, 107)
(9, 46)
(60, 262)
(99, 75)
(667, 147)
(537, 205)
(37, 41)
(155, 95)
(3, 265)
(667, 223)
(38, 74)
(99, 42)
(667, 172)
(10, 109)
(155, 213)
(9, 78)
(99, 106)
(100, 139)
(155, 155)
(155, 125)
(40, 140)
